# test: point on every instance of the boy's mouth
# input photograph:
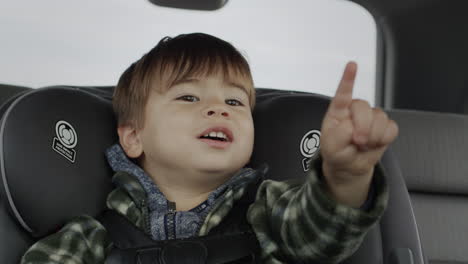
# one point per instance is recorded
(220, 134)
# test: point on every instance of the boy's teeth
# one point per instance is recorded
(214, 134)
(220, 135)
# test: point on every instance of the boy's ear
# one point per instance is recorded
(130, 141)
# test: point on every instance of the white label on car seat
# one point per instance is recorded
(310, 144)
(65, 140)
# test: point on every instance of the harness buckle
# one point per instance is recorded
(180, 252)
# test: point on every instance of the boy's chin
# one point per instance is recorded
(220, 171)
(214, 171)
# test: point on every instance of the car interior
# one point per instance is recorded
(421, 84)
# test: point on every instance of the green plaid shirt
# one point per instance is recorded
(293, 221)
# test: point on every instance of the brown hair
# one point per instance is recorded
(173, 60)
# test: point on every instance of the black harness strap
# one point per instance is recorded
(136, 247)
(232, 241)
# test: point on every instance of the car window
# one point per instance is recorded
(294, 45)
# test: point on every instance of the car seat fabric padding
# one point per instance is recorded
(45, 188)
(444, 226)
(282, 120)
(432, 151)
(398, 224)
(13, 239)
(7, 91)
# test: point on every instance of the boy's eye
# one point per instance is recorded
(188, 98)
(234, 102)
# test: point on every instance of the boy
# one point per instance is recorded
(186, 132)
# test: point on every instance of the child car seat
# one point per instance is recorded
(52, 143)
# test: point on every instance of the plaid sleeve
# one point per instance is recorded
(297, 222)
(83, 240)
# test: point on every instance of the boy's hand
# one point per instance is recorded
(354, 138)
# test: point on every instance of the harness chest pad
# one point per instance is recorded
(52, 161)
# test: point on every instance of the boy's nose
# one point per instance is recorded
(211, 112)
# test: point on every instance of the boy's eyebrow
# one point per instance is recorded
(238, 85)
(186, 80)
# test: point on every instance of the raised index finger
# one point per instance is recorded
(344, 93)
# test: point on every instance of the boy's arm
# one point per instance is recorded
(82, 241)
(354, 138)
(297, 222)
(320, 220)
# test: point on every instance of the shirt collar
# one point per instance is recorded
(119, 162)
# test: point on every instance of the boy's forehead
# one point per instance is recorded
(238, 83)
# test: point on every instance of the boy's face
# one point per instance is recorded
(178, 120)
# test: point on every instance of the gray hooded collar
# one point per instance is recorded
(187, 222)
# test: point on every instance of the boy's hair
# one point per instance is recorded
(173, 60)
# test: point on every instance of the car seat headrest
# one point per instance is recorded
(287, 131)
(52, 161)
(431, 149)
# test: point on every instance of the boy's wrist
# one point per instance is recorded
(350, 190)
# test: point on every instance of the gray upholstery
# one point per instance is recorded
(443, 221)
(37, 200)
(398, 224)
(11, 233)
(7, 91)
(13, 239)
(432, 150)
